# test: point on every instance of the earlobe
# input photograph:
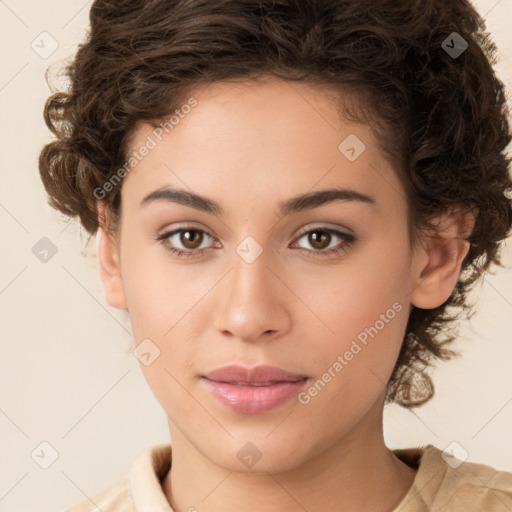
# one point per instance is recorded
(437, 265)
(110, 270)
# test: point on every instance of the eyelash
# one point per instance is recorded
(347, 238)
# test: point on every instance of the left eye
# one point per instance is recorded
(317, 238)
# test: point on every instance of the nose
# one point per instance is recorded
(253, 302)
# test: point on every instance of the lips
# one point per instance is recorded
(258, 376)
(253, 390)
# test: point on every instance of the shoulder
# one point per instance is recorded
(116, 498)
(472, 485)
(138, 490)
(445, 482)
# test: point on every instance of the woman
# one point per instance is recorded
(288, 197)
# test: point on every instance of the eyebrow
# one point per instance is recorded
(295, 204)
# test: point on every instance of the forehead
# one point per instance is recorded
(261, 140)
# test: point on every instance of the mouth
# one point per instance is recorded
(259, 375)
(253, 391)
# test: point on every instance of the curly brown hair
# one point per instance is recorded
(440, 117)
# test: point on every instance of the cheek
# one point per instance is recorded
(364, 311)
(163, 300)
(169, 375)
(158, 293)
(352, 296)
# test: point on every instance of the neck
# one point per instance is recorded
(356, 473)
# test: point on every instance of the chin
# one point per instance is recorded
(254, 457)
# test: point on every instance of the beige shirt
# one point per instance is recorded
(440, 485)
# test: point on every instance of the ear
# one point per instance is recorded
(109, 262)
(437, 264)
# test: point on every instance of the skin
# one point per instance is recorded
(250, 146)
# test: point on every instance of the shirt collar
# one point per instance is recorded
(146, 476)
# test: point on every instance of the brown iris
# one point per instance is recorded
(314, 238)
(191, 238)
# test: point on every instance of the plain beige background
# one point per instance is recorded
(68, 376)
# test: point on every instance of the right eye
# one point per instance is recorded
(189, 237)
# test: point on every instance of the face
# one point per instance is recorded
(320, 288)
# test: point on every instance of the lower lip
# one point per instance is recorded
(254, 399)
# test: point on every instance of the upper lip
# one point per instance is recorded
(258, 374)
